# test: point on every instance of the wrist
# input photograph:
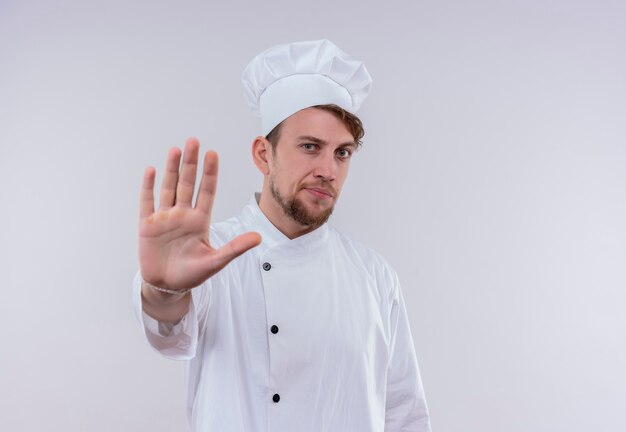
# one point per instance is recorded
(165, 290)
(164, 307)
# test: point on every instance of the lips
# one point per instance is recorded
(320, 191)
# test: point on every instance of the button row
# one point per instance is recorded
(274, 329)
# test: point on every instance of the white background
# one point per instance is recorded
(492, 178)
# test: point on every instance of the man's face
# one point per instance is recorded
(309, 166)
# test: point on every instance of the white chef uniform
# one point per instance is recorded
(302, 335)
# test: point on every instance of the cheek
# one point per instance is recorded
(342, 176)
(285, 181)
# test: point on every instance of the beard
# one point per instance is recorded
(297, 211)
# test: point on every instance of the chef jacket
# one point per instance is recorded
(295, 335)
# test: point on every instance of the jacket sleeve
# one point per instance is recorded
(405, 408)
(176, 341)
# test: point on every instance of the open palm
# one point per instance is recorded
(174, 248)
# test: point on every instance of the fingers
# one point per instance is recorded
(187, 178)
(206, 191)
(146, 196)
(234, 248)
(178, 189)
(170, 180)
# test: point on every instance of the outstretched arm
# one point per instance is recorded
(174, 248)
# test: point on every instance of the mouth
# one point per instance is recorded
(319, 192)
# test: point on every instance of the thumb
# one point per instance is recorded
(234, 248)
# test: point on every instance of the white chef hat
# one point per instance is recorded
(285, 79)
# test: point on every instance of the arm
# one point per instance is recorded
(406, 408)
(179, 340)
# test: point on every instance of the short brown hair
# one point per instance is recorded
(352, 122)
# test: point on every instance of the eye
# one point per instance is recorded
(344, 153)
(309, 147)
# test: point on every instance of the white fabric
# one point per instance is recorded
(286, 78)
(295, 92)
(342, 359)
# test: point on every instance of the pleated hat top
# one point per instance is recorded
(285, 79)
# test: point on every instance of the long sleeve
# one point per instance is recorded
(176, 341)
(406, 409)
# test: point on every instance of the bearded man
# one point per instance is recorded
(285, 324)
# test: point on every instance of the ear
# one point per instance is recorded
(261, 149)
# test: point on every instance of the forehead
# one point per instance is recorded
(318, 123)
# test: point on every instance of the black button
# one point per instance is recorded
(267, 266)
(274, 329)
(276, 398)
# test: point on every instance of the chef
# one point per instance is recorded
(285, 324)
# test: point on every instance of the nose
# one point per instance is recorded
(325, 168)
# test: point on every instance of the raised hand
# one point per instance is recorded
(174, 248)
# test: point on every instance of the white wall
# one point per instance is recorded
(492, 178)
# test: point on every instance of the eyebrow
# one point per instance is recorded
(322, 142)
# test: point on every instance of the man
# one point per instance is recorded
(285, 324)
